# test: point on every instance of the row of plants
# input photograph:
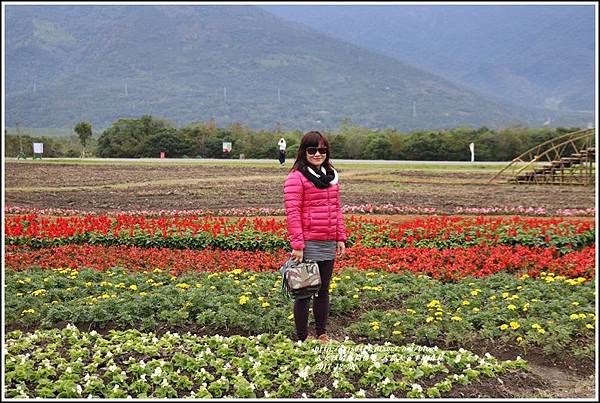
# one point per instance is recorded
(550, 311)
(446, 264)
(358, 209)
(198, 232)
(69, 363)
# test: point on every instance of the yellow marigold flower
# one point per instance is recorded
(466, 302)
(20, 294)
(355, 296)
(261, 298)
(198, 285)
(438, 313)
(511, 307)
(589, 325)
(375, 327)
(456, 318)
(120, 285)
(212, 287)
(408, 310)
(514, 325)
(475, 309)
(397, 323)
(503, 326)
(243, 299)
(541, 330)
(519, 339)
(574, 316)
(183, 286)
(505, 294)
(143, 294)
(514, 297)
(371, 274)
(582, 316)
(157, 271)
(173, 278)
(30, 310)
(133, 287)
(374, 323)
(575, 303)
(291, 316)
(433, 303)
(520, 287)
(492, 298)
(524, 277)
(526, 307)
(429, 319)
(347, 277)
(396, 332)
(265, 304)
(88, 284)
(237, 271)
(536, 326)
(475, 292)
(38, 292)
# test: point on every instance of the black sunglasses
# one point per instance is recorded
(313, 150)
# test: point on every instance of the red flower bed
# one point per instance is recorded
(448, 264)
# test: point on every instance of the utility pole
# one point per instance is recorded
(21, 154)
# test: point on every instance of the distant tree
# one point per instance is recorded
(84, 131)
(378, 147)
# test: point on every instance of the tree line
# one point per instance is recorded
(148, 136)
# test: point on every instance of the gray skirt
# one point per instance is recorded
(319, 250)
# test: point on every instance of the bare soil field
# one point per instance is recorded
(97, 187)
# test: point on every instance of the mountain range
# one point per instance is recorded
(533, 55)
(233, 64)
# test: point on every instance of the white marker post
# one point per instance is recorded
(38, 150)
(472, 148)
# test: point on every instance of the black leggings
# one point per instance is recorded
(320, 304)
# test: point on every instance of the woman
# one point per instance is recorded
(315, 224)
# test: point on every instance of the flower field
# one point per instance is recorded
(190, 306)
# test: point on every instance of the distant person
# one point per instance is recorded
(315, 224)
(282, 146)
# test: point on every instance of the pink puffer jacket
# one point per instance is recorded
(312, 213)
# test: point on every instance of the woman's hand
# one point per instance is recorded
(340, 248)
(297, 255)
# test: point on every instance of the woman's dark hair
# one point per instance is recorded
(312, 139)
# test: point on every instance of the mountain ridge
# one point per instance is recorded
(227, 63)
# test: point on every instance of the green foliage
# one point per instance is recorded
(147, 136)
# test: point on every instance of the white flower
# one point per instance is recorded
(79, 389)
(304, 372)
(417, 387)
(157, 372)
(304, 396)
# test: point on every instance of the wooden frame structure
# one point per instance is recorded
(565, 160)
